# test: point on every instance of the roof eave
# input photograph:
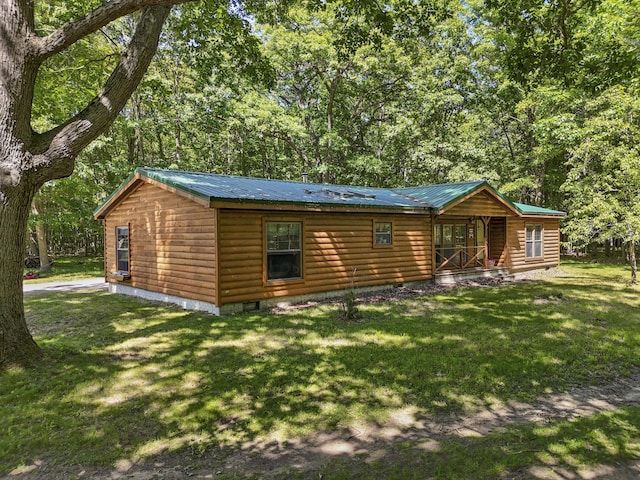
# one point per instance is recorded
(544, 215)
(313, 205)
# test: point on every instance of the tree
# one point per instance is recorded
(544, 61)
(29, 158)
(603, 184)
(33, 153)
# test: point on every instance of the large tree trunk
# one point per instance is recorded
(16, 91)
(16, 344)
(28, 159)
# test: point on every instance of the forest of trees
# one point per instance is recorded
(540, 98)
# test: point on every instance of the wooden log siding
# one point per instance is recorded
(335, 244)
(517, 246)
(172, 243)
(481, 204)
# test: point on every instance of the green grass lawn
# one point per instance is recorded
(70, 268)
(127, 379)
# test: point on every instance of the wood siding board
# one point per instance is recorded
(550, 248)
(334, 245)
(189, 196)
(167, 256)
(124, 191)
(480, 202)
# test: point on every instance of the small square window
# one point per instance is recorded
(383, 233)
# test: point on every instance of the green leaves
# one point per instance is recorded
(603, 182)
(535, 96)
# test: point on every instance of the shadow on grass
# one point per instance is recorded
(595, 447)
(128, 380)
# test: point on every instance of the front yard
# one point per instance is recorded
(412, 390)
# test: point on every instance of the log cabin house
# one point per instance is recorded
(224, 244)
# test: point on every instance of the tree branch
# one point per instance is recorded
(54, 151)
(106, 13)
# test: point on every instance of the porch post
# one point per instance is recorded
(434, 264)
(485, 222)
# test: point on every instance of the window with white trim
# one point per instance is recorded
(122, 249)
(284, 250)
(533, 243)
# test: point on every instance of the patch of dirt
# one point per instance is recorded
(308, 455)
(408, 292)
(394, 294)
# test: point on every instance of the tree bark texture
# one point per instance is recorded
(17, 347)
(29, 159)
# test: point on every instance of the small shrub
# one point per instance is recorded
(349, 307)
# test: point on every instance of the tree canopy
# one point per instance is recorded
(538, 97)
(498, 90)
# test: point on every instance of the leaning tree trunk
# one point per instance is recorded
(17, 347)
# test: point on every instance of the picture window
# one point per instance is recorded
(284, 250)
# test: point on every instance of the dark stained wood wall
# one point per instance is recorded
(337, 248)
(497, 239)
(172, 243)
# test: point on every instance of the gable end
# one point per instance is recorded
(483, 201)
(132, 183)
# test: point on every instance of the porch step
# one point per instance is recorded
(453, 277)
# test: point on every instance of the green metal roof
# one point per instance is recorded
(533, 210)
(245, 189)
(226, 188)
(441, 195)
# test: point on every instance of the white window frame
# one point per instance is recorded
(120, 249)
(534, 241)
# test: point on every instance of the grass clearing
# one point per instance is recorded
(70, 268)
(126, 379)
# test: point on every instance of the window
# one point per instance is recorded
(383, 233)
(533, 241)
(122, 248)
(284, 259)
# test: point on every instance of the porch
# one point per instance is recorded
(473, 244)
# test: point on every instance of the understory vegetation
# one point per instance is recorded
(127, 381)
